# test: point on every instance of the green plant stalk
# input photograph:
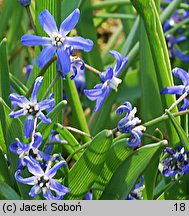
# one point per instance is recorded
(151, 19)
(77, 110)
(113, 3)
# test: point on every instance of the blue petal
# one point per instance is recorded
(54, 169)
(179, 90)
(118, 58)
(33, 40)
(79, 43)
(29, 181)
(58, 188)
(93, 94)
(49, 196)
(185, 169)
(178, 40)
(28, 126)
(34, 189)
(18, 100)
(101, 100)
(33, 167)
(46, 104)
(44, 118)
(47, 22)
(37, 140)
(14, 148)
(180, 55)
(16, 114)
(127, 107)
(88, 196)
(185, 105)
(37, 85)
(107, 75)
(135, 138)
(45, 55)
(70, 22)
(181, 74)
(45, 156)
(64, 60)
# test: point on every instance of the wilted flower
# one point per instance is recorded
(179, 89)
(136, 193)
(43, 181)
(58, 42)
(128, 124)
(177, 163)
(108, 80)
(32, 108)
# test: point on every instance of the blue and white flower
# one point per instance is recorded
(58, 42)
(109, 80)
(32, 108)
(43, 181)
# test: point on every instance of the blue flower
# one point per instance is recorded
(25, 2)
(108, 80)
(173, 51)
(177, 163)
(136, 193)
(179, 89)
(43, 181)
(58, 42)
(31, 150)
(128, 124)
(88, 196)
(32, 108)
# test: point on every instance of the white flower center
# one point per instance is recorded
(31, 109)
(57, 39)
(114, 82)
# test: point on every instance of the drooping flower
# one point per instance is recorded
(136, 193)
(31, 150)
(177, 163)
(129, 123)
(43, 181)
(179, 89)
(58, 42)
(108, 80)
(173, 51)
(32, 108)
(25, 3)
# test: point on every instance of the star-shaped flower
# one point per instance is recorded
(43, 181)
(32, 108)
(58, 42)
(179, 89)
(108, 80)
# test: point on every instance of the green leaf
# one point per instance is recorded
(181, 133)
(118, 152)
(86, 170)
(177, 190)
(7, 193)
(130, 170)
(147, 10)
(4, 72)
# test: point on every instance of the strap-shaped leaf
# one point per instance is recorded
(182, 134)
(86, 170)
(118, 152)
(7, 193)
(130, 170)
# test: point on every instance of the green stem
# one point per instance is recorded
(94, 70)
(51, 85)
(115, 16)
(77, 131)
(31, 19)
(163, 118)
(104, 4)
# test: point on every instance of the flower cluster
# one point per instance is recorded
(31, 157)
(108, 80)
(177, 163)
(179, 89)
(129, 123)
